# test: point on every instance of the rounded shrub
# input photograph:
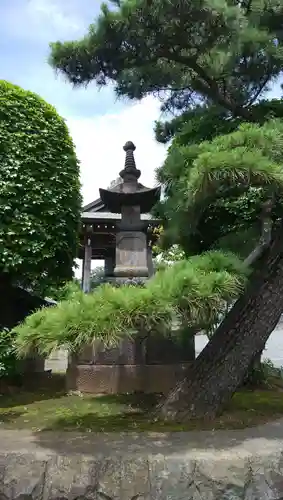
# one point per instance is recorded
(39, 190)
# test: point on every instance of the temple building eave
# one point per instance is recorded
(95, 217)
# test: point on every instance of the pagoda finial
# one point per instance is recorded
(130, 171)
(129, 146)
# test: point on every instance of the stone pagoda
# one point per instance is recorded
(130, 199)
(117, 228)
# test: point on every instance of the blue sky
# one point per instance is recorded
(99, 124)
(26, 28)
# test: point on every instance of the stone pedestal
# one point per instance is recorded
(131, 255)
(151, 365)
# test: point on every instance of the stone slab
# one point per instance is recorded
(221, 465)
(123, 379)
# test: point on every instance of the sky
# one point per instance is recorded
(98, 123)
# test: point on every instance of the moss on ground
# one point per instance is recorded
(56, 410)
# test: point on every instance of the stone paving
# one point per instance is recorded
(221, 465)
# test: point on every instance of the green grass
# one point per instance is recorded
(51, 410)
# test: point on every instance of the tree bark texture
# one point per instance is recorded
(222, 366)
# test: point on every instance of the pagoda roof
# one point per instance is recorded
(144, 197)
(96, 211)
(124, 191)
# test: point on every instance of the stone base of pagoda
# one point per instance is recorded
(122, 379)
(143, 364)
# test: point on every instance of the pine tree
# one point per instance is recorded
(211, 63)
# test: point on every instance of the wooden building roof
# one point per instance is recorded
(96, 212)
(100, 225)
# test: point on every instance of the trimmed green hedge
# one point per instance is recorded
(39, 190)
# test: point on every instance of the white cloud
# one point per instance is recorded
(42, 20)
(99, 144)
(52, 14)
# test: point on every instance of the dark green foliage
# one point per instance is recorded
(8, 359)
(189, 53)
(203, 123)
(65, 291)
(221, 184)
(39, 191)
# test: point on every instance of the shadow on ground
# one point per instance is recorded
(139, 400)
(119, 424)
(32, 390)
(247, 441)
(28, 397)
(124, 413)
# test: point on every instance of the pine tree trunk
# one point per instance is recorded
(222, 366)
